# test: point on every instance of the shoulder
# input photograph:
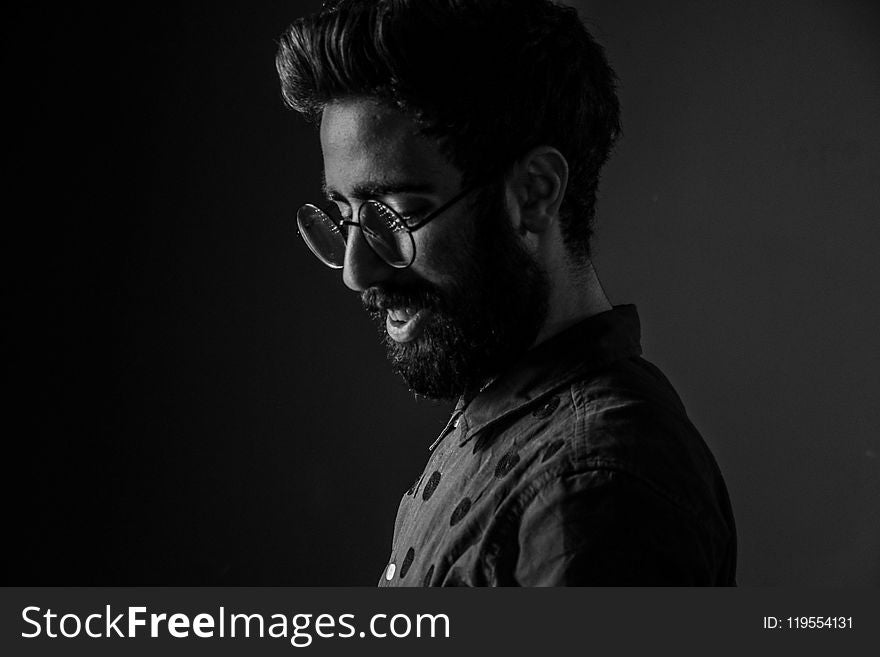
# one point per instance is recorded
(616, 487)
(630, 419)
(621, 429)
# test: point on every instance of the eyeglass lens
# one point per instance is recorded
(387, 234)
(322, 235)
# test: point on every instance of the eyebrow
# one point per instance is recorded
(370, 190)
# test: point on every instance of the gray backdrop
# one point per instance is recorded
(742, 214)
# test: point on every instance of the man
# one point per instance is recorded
(462, 144)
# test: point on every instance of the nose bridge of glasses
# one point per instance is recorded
(369, 229)
(363, 264)
(371, 215)
(340, 224)
(360, 241)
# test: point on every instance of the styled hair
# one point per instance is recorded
(489, 79)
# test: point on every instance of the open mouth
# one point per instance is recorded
(405, 324)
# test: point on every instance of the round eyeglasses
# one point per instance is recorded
(324, 231)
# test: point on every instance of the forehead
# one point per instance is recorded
(364, 141)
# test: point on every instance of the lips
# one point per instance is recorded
(401, 314)
(406, 324)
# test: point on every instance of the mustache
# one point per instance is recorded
(380, 298)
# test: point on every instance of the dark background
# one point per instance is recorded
(193, 399)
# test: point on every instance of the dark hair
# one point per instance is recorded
(490, 79)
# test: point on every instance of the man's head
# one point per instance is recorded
(490, 79)
(420, 101)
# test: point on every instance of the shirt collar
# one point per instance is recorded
(589, 345)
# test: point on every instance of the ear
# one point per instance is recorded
(538, 185)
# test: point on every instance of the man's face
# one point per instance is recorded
(473, 299)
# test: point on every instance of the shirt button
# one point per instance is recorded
(389, 572)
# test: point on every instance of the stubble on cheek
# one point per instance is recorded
(486, 311)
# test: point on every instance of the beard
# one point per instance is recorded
(481, 324)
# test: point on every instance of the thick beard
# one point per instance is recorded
(479, 327)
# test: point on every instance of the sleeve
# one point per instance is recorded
(609, 528)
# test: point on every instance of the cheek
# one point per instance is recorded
(443, 251)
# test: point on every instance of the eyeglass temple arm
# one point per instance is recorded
(455, 199)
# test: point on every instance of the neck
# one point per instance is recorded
(575, 296)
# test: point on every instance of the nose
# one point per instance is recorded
(362, 267)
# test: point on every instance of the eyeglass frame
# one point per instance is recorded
(410, 229)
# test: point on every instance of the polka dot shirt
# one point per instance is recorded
(578, 466)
